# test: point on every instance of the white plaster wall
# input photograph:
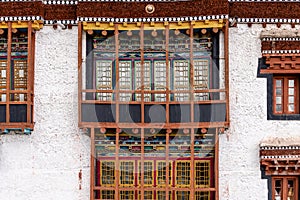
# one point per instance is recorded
(46, 164)
(240, 175)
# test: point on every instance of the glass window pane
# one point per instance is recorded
(291, 108)
(278, 189)
(291, 189)
(278, 83)
(291, 83)
(278, 100)
(291, 99)
(278, 91)
(291, 91)
(278, 108)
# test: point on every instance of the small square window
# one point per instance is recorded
(285, 95)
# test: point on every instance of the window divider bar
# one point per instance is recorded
(142, 73)
(192, 164)
(117, 165)
(32, 86)
(8, 73)
(167, 161)
(93, 158)
(29, 70)
(167, 75)
(142, 162)
(191, 72)
(117, 73)
(216, 164)
(79, 70)
(226, 49)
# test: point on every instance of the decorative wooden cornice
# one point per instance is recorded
(281, 63)
(280, 160)
(280, 46)
(275, 10)
(162, 9)
(24, 8)
(246, 11)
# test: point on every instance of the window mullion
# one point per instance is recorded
(8, 70)
(285, 95)
(29, 71)
(167, 75)
(142, 73)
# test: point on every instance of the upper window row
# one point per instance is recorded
(16, 77)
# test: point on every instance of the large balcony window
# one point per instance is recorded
(134, 75)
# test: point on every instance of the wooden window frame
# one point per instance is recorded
(111, 193)
(26, 125)
(131, 191)
(140, 173)
(208, 171)
(190, 174)
(285, 191)
(198, 194)
(146, 191)
(157, 173)
(186, 197)
(101, 172)
(285, 95)
(133, 174)
(160, 191)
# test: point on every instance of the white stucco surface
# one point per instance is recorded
(47, 164)
(240, 175)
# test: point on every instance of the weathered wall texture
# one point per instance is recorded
(53, 162)
(240, 175)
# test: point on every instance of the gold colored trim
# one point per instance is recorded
(153, 25)
(36, 24)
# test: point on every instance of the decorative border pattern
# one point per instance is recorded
(279, 152)
(152, 19)
(263, 20)
(273, 39)
(279, 147)
(52, 22)
(19, 18)
(264, 0)
(280, 51)
(280, 157)
(62, 2)
(132, 0)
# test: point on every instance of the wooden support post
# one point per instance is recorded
(79, 70)
(8, 67)
(92, 163)
(117, 88)
(142, 162)
(29, 71)
(167, 163)
(226, 48)
(167, 75)
(191, 72)
(192, 164)
(117, 92)
(33, 77)
(142, 73)
(216, 166)
(117, 179)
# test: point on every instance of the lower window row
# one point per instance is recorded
(155, 173)
(155, 195)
